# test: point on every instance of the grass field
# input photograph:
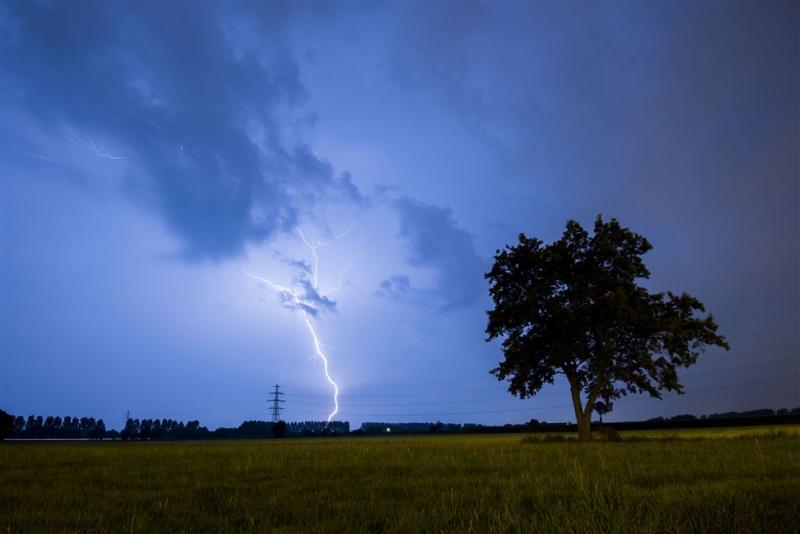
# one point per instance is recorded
(404, 484)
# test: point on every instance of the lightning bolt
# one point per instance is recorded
(341, 280)
(324, 358)
(296, 301)
(99, 150)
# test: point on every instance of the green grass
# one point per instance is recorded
(722, 432)
(399, 484)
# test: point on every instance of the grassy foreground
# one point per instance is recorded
(414, 484)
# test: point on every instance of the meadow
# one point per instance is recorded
(736, 481)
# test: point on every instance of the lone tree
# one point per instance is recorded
(574, 308)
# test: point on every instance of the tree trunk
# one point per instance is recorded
(583, 417)
(585, 426)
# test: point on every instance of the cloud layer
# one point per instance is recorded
(204, 110)
(435, 241)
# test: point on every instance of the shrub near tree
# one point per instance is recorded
(575, 308)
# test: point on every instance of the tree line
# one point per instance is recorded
(57, 427)
(150, 429)
(372, 428)
(267, 429)
(38, 427)
(764, 412)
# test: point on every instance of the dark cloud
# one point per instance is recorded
(443, 62)
(434, 240)
(302, 295)
(397, 287)
(203, 107)
(312, 301)
(301, 265)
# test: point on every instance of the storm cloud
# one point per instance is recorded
(434, 240)
(204, 110)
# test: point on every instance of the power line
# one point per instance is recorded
(748, 352)
(723, 356)
(539, 397)
(709, 372)
(740, 368)
(535, 408)
(755, 333)
(276, 400)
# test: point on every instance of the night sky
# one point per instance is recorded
(151, 150)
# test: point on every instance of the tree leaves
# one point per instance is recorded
(574, 307)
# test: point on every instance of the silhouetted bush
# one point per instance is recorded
(279, 429)
(436, 428)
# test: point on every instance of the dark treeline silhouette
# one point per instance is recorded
(753, 417)
(50, 427)
(149, 429)
(265, 429)
(765, 412)
(415, 428)
(38, 427)
(715, 420)
(318, 428)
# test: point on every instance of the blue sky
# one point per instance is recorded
(149, 151)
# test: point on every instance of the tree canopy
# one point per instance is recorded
(575, 308)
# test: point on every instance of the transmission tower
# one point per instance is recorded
(275, 401)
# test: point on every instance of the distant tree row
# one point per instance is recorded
(50, 427)
(150, 429)
(766, 412)
(38, 427)
(265, 429)
(56, 427)
(371, 428)
(318, 428)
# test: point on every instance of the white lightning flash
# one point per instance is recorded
(99, 150)
(307, 308)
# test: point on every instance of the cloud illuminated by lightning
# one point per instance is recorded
(308, 300)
